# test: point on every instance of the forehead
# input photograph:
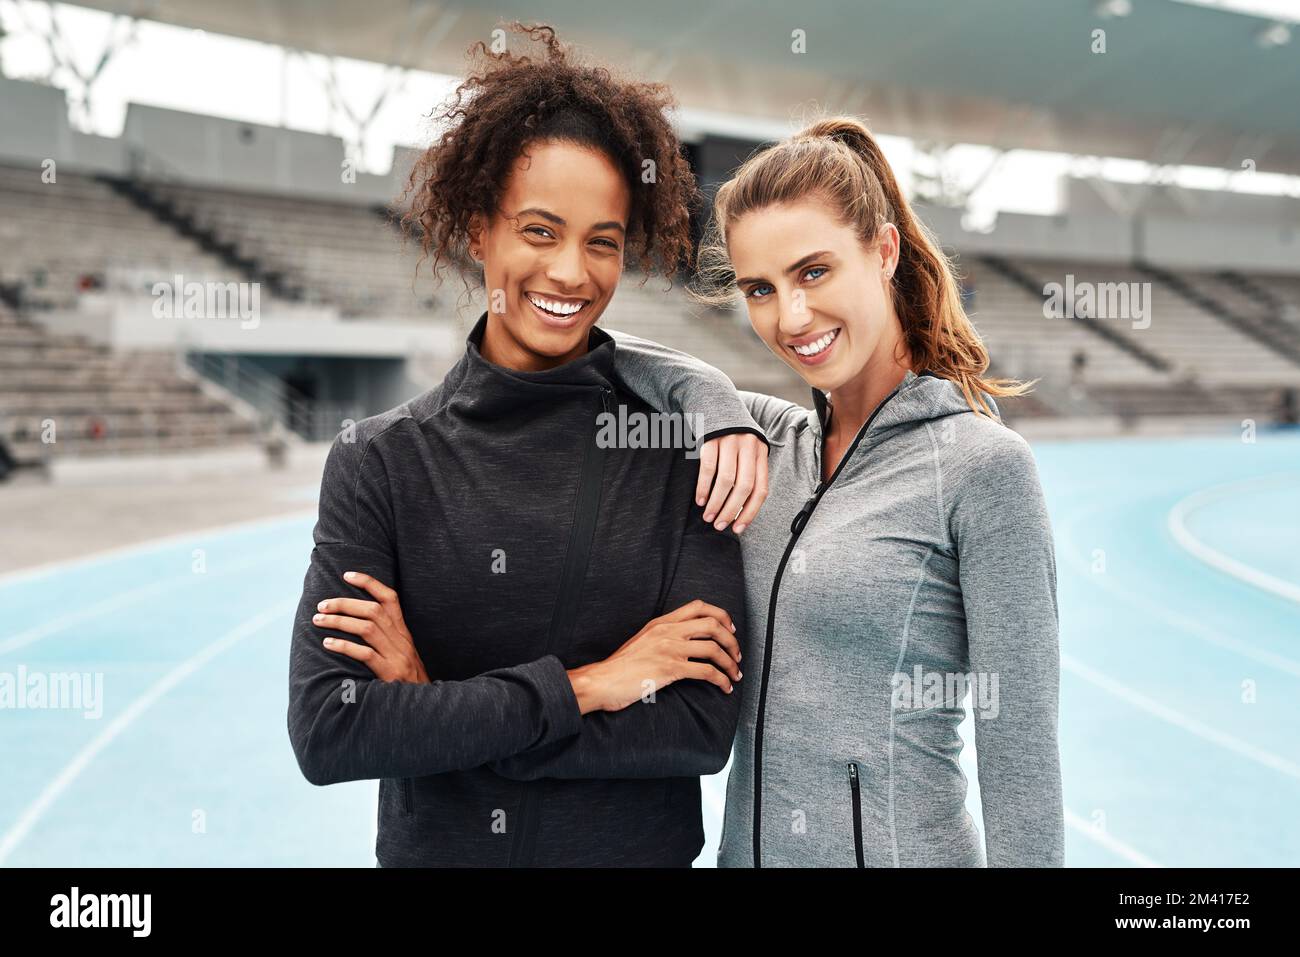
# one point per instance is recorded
(577, 183)
(774, 237)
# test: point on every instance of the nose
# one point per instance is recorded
(795, 317)
(568, 267)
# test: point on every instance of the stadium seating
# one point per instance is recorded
(338, 254)
(1198, 344)
(57, 237)
(101, 403)
(1218, 343)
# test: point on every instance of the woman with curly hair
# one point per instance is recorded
(559, 669)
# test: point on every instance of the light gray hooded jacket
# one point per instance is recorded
(922, 569)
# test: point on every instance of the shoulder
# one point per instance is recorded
(780, 419)
(375, 441)
(982, 462)
(970, 443)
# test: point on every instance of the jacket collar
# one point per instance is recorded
(482, 388)
(822, 404)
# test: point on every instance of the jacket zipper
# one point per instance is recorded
(857, 812)
(796, 529)
(564, 615)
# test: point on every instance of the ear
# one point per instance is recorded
(889, 247)
(474, 233)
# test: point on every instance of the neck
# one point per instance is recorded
(854, 401)
(502, 349)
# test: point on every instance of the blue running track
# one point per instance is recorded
(1179, 573)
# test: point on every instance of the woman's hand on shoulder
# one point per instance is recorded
(732, 483)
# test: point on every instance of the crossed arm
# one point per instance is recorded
(350, 708)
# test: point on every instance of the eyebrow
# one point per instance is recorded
(794, 267)
(551, 217)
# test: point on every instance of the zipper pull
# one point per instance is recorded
(853, 774)
(606, 397)
(801, 519)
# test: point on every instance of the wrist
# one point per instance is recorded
(586, 687)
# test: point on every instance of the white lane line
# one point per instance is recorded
(1177, 524)
(1112, 844)
(166, 586)
(64, 779)
(23, 575)
(1202, 730)
(1178, 620)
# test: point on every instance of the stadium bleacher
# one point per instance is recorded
(62, 395)
(58, 238)
(329, 253)
(1222, 342)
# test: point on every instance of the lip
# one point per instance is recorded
(558, 322)
(820, 357)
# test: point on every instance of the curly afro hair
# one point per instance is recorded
(512, 100)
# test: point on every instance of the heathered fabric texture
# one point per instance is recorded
(930, 549)
(492, 763)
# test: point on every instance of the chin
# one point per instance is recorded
(554, 343)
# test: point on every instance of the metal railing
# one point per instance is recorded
(277, 405)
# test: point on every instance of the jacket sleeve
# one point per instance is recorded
(347, 725)
(688, 727)
(1007, 571)
(674, 381)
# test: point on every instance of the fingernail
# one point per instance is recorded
(708, 516)
(721, 525)
(329, 641)
(349, 574)
(700, 500)
(739, 675)
(317, 617)
(320, 606)
(738, 528)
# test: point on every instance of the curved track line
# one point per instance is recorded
(1177, 524)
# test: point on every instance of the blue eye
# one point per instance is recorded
(753, 290)
(813, 269)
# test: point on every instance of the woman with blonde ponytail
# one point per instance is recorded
(903, 559)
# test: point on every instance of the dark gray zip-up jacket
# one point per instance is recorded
(519, 547)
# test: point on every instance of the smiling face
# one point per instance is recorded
(816, 296)
(552, 254)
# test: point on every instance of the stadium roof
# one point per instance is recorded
(1176, 84)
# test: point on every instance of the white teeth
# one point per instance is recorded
(812, 348)
(556, 308)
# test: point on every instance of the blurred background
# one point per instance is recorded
(199, 283)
